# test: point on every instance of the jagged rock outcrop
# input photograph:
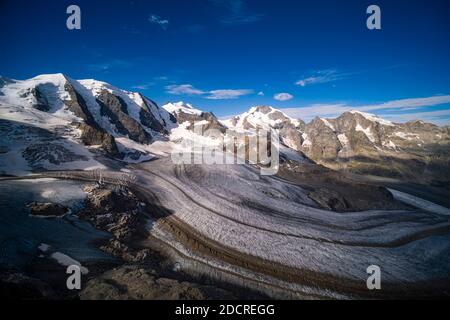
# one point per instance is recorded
(47, 209)
(186, 114)
(115, 108)
(51, 152)
(149, 120)
(78, 106)
(94, 137)
(42, 103)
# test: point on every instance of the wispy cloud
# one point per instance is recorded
(228, 94)
(144, 86)
(261, 94)
(221, 94)
(163, 23)
(396, 110)
(439, 117)
(323, 76)
(184, 89)
(113, 63)
(237, 13)
(283, 96)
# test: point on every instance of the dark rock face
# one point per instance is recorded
(148, 119)
(42, 103)
(329, 199)
(93, 137)
(78, 106)
(47, 209)
(333, 190)
(104, 200)
(114, 103)
(112, 107)
(323, 141)
(112, 209)
(131, 282)
(53, 153)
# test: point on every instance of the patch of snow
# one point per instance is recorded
(306, 142)
(50, 85)
(260, 119)
(406, 136)
(372, 117)
(201, 123)
(66, 261)
(343, 140)
(389, 145)
(328, 124)
(366, 131)
(44, 247)
(176, 107)
(291, 154)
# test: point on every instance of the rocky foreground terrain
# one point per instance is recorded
(182, 231)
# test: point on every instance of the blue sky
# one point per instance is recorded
(308, 57)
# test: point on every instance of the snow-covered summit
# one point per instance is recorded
(264, 117)
(372, 117)
(53, 121)
(181, 106)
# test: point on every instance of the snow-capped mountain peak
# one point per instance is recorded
(372, 117)
(180, 106)
(265, 117)
(79, 115)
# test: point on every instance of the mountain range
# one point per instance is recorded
(55, 122)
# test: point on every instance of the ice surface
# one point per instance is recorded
(274, 220)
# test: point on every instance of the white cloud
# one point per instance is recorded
(222, 94)
(163, 23)
(227, 94)
(439, 117)
(261, 94)
(322, 76)
(383, 109)
(184, 89)
(283, 96)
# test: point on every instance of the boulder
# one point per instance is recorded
(47, 209)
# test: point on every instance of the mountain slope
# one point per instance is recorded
(360, 142)
(52, 120)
